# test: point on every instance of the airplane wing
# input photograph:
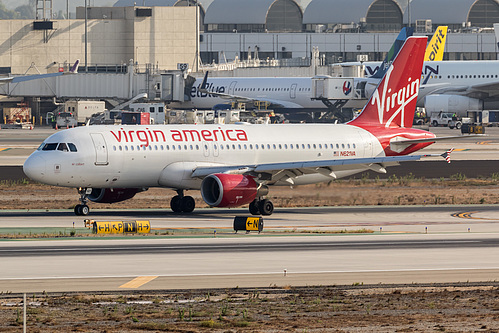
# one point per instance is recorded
(16, 79)
(274, 172)
(243, 99)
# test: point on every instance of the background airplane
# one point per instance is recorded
(282, 94)
(234, 165)
(22, 78)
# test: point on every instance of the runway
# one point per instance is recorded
(414, 245)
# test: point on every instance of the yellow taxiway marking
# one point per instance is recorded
(484, 142)
(5, 149)
(468, 215)
(138, 282)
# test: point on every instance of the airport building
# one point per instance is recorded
(235, 37)
(162, 34)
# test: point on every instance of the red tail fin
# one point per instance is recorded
(394, 101)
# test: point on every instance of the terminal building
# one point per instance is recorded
(246, 38)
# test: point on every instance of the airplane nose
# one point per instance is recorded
(34, 167)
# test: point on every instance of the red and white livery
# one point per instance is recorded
(234, 165)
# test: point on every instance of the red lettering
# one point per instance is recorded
(156, 135)
(241, 135)
(206, 135)
(191, 132)
(221, 131)
(118, 138)
(176, 135)
(228, 136)
(142, 136)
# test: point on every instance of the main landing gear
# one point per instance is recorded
(82, 209)
(181, 203)
(263, 207)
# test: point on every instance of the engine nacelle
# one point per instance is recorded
(451, 103)
(112, 195)
(228, 190)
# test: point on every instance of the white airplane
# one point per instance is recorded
(288, 93)
(234, 165)
(22, 78)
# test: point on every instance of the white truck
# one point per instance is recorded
(156, 111)
(82, 111)
(445, 119)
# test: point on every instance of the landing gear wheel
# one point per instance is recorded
(187, 204)
(253, 207)
(81, 210)
(84, 210)
(175, 204)
(266, 207)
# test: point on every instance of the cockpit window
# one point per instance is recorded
(63, 147)
(50, 146)
(72, 147)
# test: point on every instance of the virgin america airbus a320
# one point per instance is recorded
(235, 165)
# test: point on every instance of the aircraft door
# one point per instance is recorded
(101, 156)
(367, 144)
(206, 149)
(232, 86)
(215, 149)
(292, 91)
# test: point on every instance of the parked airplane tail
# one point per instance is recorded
(436, 46)
(394, 50)
(393, 103)
(74, 68)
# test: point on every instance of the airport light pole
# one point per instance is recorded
(86, 38)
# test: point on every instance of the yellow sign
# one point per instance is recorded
(252, 223)
(120, 227)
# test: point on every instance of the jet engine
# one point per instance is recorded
(451, 103)
(228, 190)
(112, 195)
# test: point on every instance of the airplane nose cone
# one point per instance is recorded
(34, 167)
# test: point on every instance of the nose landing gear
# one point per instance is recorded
(82, 209)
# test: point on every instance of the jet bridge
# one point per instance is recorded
(167, 86)
(336, 92)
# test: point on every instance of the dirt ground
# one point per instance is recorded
(394, 191)
(429, 308)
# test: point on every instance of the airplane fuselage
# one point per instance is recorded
(166, 155)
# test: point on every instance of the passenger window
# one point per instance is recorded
(343, 145)
(114, 148)
(50, 146)
(131, 148)
(126, 148)
(120, 148)
(72, 147)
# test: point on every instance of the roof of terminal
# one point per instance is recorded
(238, 11)
(440, 11)
(338, 11)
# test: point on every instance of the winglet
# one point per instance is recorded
(74, 68)
(446, 155)
(436, 46)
